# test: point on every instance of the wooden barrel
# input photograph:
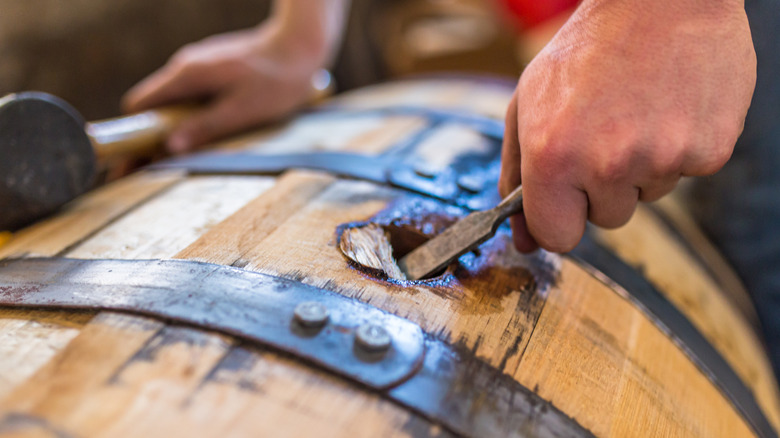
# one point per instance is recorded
(210, 296)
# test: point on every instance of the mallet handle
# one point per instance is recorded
(136, 135)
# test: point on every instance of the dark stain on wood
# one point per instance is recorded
(479, 280)
(332, 286)
(233, 369)
(419, 427)
(514, 349)
(601, 338)
(240, 263)
(301, 277)
(167, 336)
(477, 399)
(409, 221)
(295, 275)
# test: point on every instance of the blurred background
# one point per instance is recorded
(89, 52)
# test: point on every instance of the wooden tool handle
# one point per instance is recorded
(141, 134)
(138, 134)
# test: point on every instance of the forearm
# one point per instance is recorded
(645, 18)
(668, 8)
(314, 27)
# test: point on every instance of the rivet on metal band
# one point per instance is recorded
(373, 338)
(311, 314)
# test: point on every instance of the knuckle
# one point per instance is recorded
(667, 160)
(718, 154)
(711, 164)
(614, 154)
(549, 160)
(613, 167)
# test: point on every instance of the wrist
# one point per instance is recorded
(308, 30)
(639, 23)
(663, 11)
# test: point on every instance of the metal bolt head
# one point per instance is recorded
(311, 314)
(373, 338)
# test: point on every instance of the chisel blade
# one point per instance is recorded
(463, 236)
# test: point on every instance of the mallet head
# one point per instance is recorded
(46, 157)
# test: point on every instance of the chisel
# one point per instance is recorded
(463, 236)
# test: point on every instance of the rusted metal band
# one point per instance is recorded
(447, 186)
(487, 126)
(223, 298)
(446, 385)
(633, 286)
(470, 181)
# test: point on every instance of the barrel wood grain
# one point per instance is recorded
(666, 263)
(34, 337)
(160, 225)
(30, 338)
(86, 215)
(168, 223)
(672, 209)
(486, 96)
(365, 134)
(607, 365)
(161, 370)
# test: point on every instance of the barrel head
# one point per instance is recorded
(46, 157)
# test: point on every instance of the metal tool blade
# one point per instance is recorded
(463, 236)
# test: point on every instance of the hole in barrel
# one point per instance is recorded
(376, 248)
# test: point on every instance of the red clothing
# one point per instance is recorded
(529, 13)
